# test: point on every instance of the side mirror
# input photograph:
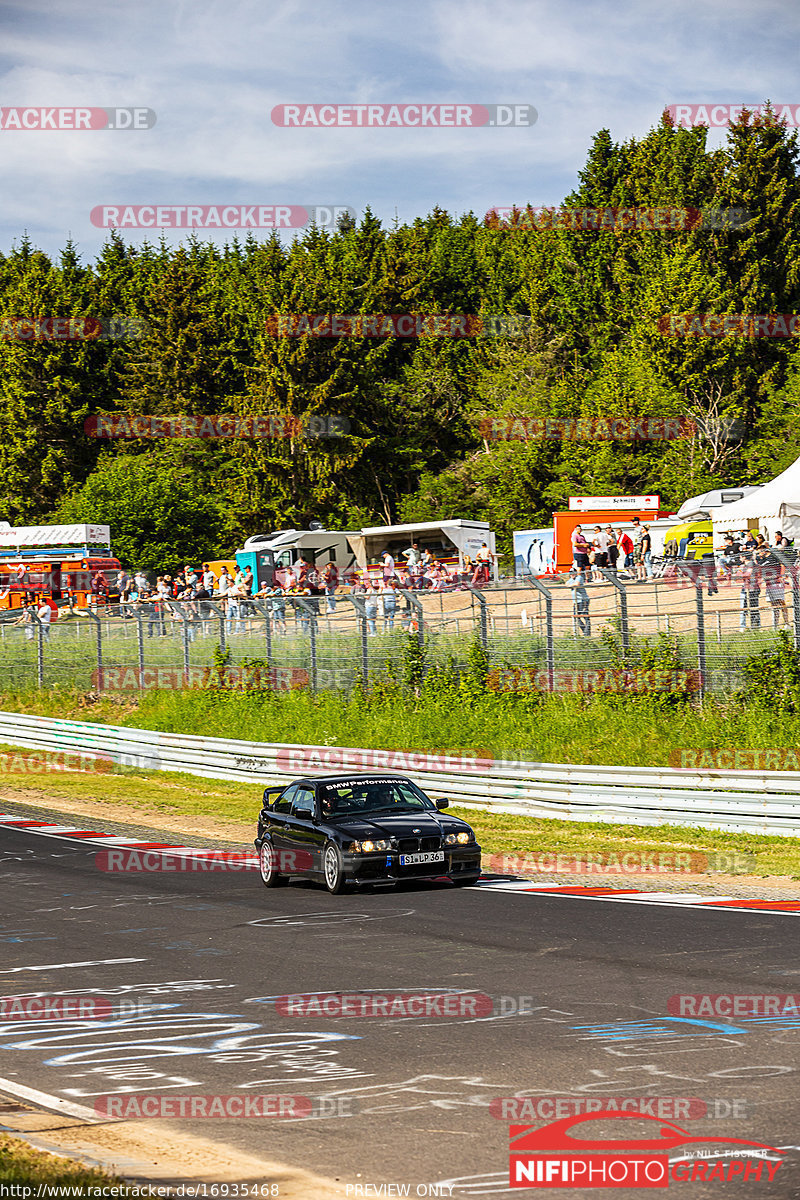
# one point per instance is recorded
(442, 803)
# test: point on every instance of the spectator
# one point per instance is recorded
(203, 597)
(371, 602)
(411, 555)
(751, 590)
(330, 581)
(483, 561)
(233, 599)
(190, 576)
(580, 602)
(729, 557)
(774, 577)
(45, 614)
(209, 579)
(625, 545)
(600, 543)
(28, 622)
(389, 597)
(225, 582)
(388, 565)
(142, 582)
(580, 549)
(613, 549)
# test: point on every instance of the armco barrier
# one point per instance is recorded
(765, 802)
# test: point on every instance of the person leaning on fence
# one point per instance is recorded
(330, 581)
(389, 601)
(773, 575)
(27, 621)
(751, 590)
(613, 550)
(371, 605)
(483, 563)
(580, 602)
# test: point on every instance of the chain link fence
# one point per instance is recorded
(690, 626)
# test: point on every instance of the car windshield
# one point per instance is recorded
(373, 796)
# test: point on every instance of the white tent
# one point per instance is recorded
(775, 506)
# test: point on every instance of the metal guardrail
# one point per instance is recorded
(763, 802)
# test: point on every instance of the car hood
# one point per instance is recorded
(403, 825)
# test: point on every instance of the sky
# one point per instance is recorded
(212, 71)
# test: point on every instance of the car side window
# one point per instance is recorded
(303, 805)
(284, 805)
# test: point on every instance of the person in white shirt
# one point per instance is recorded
(411, 555)
(388, 565)
(234, 596)
(209, 579)
(225, 582)
(45, 613)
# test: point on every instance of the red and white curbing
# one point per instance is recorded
(74, 833)
(628, 895)
(576, 891)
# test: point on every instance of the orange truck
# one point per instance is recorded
(54, 562)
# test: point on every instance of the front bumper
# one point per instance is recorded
(385, 865)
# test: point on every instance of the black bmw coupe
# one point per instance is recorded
(359, 829)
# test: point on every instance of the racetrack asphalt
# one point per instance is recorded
(580, 992)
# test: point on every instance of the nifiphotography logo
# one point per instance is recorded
(550, 1157)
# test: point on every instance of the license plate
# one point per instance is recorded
(406, 860)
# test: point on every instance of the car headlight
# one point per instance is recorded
(461, 838)
(368, 847)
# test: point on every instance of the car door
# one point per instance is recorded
(276, 818)
(304, 838)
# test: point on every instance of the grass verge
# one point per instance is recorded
(22, 1164)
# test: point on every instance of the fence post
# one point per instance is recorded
(484, 622)
(99, 638)
(358, 605)
(312, 631)
(548, 624)
(622, 596)
(140, 647)
(39, 649)
(697, 579)
(179, 608)
(215, 608)
(791, 570)
(416, 604)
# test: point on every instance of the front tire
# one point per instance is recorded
(266, 865)
(333, 868)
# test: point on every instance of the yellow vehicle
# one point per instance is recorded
(694, 539)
